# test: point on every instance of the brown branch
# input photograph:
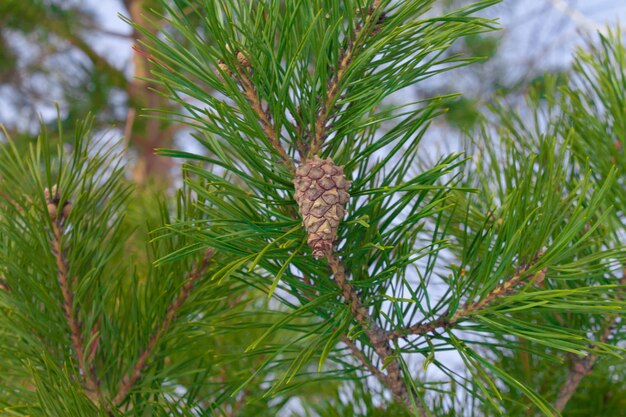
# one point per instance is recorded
(444, 321)
(302, 132)
(131, 378)
(321, 128)
(346, 56)
(128, 125)
(264, 117)
(581, 367)
(91, 384)
(394, 379)
(11, 201)
(502, 290)
(357, 353)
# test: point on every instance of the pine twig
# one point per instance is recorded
(131, 378)
(346, 57)
(265, 120)
(11, 201)
(582, 367)
(394, 379)
(443, 321)
(321, 128)
(357, 353)
(264, 117)
(91, 384)
(502, 290)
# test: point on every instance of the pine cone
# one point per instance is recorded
(321, 194)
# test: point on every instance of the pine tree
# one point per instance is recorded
(314, 262)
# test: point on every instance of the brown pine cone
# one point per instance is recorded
(321, 194)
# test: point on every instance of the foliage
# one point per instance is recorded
(481, 284)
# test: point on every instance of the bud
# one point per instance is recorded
(52, 211)
(224, 68)
(243, 60)
(66, 210)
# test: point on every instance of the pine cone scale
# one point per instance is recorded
(321, 194)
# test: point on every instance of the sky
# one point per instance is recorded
(543, 30)
(539, 34)
(535, 29)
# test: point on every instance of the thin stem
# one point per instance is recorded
(421, 328)
(394, 379)
(346, 57)
(264, 118)
(356, 352)
(11, 201)
(444, 321)
(131, 378)
(321, 128)
(581, 367)
(361, 357)
(76, 332)
(502, 290)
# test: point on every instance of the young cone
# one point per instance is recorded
(321, 194)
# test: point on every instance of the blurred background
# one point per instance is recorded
(78, 55)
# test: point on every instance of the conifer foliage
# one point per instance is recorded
(313, 263)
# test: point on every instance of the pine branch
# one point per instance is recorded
(502, 290)
(445, 322)
(583, 366)
(263, 116)
(580, 368)
(11, 201)
(361, 357)
(422, 328)
(264, 119)
(394, 379)
(131, 378)
(356, 352)
(58, 217)
(346, 56)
